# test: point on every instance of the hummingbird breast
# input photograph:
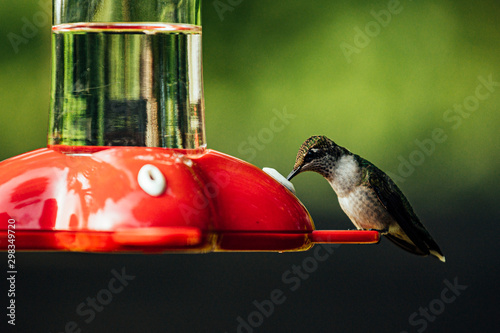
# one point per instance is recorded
(358, 201)
(364, 209)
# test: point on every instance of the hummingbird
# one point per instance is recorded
(367, 195)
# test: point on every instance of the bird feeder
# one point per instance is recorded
(126, 168)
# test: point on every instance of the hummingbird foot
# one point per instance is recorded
(381, 231)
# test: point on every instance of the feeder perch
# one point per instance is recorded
(126, 168)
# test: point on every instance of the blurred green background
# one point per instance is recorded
(395, 87)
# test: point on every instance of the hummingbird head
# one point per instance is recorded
(318, 154)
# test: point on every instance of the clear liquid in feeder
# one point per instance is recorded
(126, 83)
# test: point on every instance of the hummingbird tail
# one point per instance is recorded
(438, 255)
(410, 247)
(405, 245)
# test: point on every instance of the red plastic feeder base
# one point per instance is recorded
(137, 199)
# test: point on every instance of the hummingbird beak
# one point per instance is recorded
(293, 173)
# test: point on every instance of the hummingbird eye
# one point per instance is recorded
(311, 155)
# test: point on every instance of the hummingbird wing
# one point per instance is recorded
(396, 204)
